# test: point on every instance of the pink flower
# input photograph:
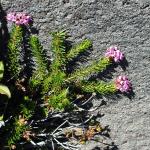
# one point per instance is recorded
(123, 84)
(114, 53)
(19, 18)
(11, 17)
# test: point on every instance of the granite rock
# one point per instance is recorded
(125, 23)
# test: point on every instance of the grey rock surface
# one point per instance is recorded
(125, 23)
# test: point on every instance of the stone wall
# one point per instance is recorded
(125, 23)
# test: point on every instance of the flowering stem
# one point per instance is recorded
(97, 66)
(98, 87)
(14, 45)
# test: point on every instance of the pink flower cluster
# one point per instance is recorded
(19, 18)
(114, 53)
(123, 84)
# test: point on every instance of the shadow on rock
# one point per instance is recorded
(4, 36)
(124, 63)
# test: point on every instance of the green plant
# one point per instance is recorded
(51, 89)
(20, 125)
(14, 51)
(3, 89)
(41, 63)
(57, 81)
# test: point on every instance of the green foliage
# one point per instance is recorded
(27, 107)
(95, 67)
(16, 134)
(1, 69)
(55, 79)
(58, 48)
(58, 79)
(3, 89)
(20, 122)
(14, 45)
(41, 64)
(56, 75)
(100, 87)
(77, 49)
(60, 100)
(48, 87)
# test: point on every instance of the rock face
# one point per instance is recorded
(125, 23)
